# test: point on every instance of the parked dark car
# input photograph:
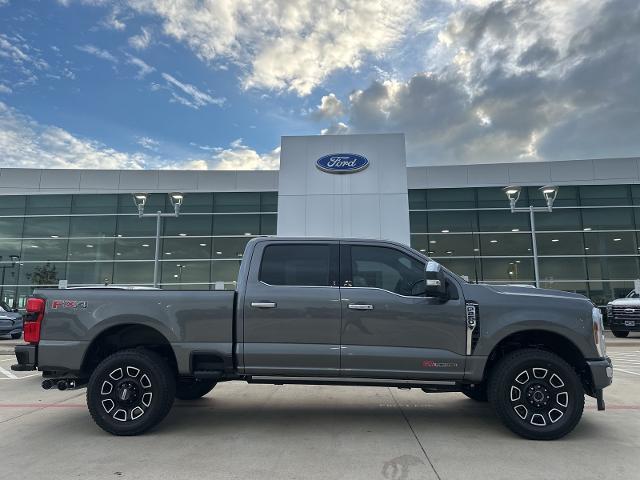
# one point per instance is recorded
(10, 321)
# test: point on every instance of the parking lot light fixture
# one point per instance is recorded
(140, 200)
(549, 192)
(513, 194)
(176, 200)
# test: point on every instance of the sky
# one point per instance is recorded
(214, 84)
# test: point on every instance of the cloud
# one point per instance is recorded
(188, 165)
(113, 21)
(148, 143)
(144, 69)
(142, 40)
(97, 52)
(285, 46)
(27, 144)
(189, 95)
(519, 81)
(18, 51)
(20, 62)
(330, 107)
(336, 129)
(5, 89)
(240, 157)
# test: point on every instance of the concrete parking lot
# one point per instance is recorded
(298, 432)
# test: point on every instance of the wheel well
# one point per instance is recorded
(542, 339)
(126, 336)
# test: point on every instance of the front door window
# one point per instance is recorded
(388, 269)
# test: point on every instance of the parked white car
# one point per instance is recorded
(623, 314)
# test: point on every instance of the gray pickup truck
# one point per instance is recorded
(323, 311)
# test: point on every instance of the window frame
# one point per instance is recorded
(334, 262)
(346, 265)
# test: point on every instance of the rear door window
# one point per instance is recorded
(298, 265)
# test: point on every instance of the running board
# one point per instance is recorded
(347, 381)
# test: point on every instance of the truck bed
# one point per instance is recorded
(192, 321)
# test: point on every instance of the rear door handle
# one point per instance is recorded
(359, 306)
(263, 304)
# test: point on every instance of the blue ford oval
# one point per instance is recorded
(342, 163)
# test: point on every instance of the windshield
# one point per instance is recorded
(633, 294)
(4, 307)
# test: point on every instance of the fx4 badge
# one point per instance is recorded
(432, 364)
(55, 304)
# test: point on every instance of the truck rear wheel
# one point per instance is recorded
(619, 334)
(193, 389)
(130, 391)
(536, 394)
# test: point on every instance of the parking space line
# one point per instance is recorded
(20, 378)
(8, 374)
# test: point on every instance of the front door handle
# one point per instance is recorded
(263, 304)
(359, 306)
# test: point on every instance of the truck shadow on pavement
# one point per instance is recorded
(455, 418)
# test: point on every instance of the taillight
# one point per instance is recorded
(33, 319)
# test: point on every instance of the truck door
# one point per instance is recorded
(292, 309)
(389, 328)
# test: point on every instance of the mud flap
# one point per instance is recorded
(600, 400)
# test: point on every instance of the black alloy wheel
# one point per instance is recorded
(536, 394)
(130, 391)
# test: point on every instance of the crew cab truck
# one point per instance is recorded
(323, 311)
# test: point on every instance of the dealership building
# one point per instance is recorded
(82, 226)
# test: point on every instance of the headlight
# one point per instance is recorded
(609, 311)
(598, 332)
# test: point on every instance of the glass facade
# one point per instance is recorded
(589, 243)
(96, 239)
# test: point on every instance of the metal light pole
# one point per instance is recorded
(14, 259)
(549, 192)
(140, 199)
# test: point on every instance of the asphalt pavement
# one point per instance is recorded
(242, 431)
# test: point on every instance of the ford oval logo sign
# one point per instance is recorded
(342, 163)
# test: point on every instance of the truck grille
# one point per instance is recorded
(622, 313)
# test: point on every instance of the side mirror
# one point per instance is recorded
(435, 281)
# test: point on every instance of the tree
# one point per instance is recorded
(44, 275)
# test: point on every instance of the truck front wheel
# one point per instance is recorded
(193, 389)
(130, 391)
(536, 394)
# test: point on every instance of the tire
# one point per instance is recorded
(620, 334)
(16, 336)
(476, 392)
(536, 394)
(142, 375)
(193, 389)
